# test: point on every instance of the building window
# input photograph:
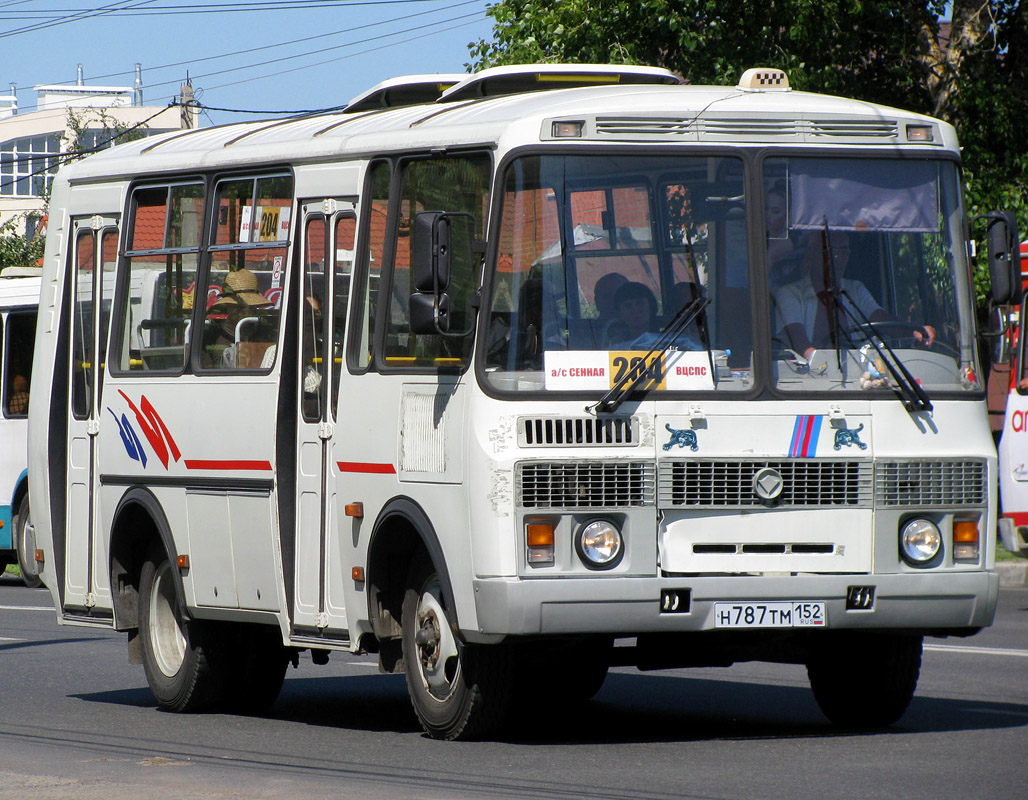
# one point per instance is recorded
(27, 165)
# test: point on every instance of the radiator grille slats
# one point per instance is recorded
(593, 484)
(697, 483)
(577, 432)
(930, 483)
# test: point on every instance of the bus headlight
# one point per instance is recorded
(599, 544)
(920, 542)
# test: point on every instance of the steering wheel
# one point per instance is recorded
(897, 332)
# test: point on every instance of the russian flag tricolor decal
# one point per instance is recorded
(804, 436)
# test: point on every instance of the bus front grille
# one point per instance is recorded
(697, 483)
(930, 482)
(585, 484)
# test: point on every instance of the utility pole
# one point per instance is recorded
(188, 111)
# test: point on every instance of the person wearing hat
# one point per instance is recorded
(240, 300)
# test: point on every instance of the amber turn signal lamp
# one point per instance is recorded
(354, 510)
(358, 574)
(539, 539)
(965, 531)
(182, 561)
(40, 557)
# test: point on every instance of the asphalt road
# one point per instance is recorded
(77, 721)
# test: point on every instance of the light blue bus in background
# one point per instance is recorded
(19, 301)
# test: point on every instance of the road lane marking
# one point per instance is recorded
(981, 651)
(9, 639)
(26, 608)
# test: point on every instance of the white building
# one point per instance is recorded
(31, 143)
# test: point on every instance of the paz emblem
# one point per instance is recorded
(768, 484)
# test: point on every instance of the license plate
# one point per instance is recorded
(789, 614)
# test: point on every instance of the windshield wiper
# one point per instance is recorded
(915, 398)
(630, 381)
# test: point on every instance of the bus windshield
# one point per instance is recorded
(865, 265)
(861, 264)
(597, 254)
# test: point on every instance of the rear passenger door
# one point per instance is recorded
(93, 259)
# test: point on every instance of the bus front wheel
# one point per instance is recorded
(26, 546)
(459, 691)
(177, 654)
(865, 680)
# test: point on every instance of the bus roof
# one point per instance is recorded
(640, 111)
(17, 289)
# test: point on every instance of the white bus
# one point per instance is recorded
(487, 376)
(19, 298)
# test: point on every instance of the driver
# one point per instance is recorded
(803, 304)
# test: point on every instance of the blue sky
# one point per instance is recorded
(261, 55)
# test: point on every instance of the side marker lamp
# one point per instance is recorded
(920, 133)
(568, 130)
(539, 537)
(40, 557)
(965, 540)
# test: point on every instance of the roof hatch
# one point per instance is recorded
(408, 90)
(535, 77)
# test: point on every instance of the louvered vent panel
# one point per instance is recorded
(729, 484)
(849, 128)
(930, 483)
(641, 126)
(591, 484)
(577, 432)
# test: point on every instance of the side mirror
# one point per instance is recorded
(430, 251)
(426, 316)
(1004, 257)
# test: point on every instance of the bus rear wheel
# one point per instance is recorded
(866, 680)
(26, 546)
(177, 654)
(459, 691)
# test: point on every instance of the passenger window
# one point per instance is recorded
(21, 333)
(159, 289)
(246, 273)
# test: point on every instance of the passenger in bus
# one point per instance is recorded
(312, 327)
(18, 402)
(603, 299)
(803, 304)
(638, 327)
(237, 314)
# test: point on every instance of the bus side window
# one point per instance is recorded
(160, 290)
(20, 335)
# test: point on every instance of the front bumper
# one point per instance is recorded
(625, 606)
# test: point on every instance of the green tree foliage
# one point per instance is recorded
(972, 73)
(16, 249)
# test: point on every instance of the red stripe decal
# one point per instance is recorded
(264, 466)
(372, 469)
(808, 423)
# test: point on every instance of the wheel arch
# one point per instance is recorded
(139, 523)
(400, 532)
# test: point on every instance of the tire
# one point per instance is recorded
(866, 681)
(179, 657)
(256, 668)
(25, 544)
(459, 691)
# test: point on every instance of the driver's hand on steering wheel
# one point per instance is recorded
(926, 335)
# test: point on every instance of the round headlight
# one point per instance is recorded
(599, 544)
(920, 541)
